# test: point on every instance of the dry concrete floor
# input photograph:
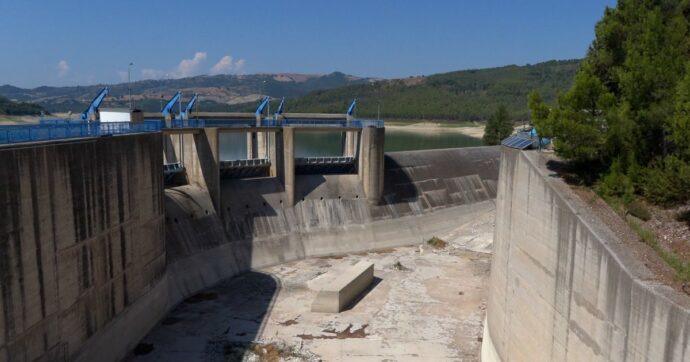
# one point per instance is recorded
(425, 304)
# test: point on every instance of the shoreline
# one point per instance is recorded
(427, 128)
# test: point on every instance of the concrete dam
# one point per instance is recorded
(98, 245)
(95, 249)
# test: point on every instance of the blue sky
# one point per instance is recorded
(70, 42)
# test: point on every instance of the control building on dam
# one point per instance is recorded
(104, 232)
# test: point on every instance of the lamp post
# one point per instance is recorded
(129, 83)
(268, 106)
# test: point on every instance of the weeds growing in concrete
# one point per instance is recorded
(398, 266)
(437, 243)
(681, 267)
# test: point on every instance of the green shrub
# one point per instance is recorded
(437, 243)
(668, 182)
(616, 184)
(639, 210)
(682, 268)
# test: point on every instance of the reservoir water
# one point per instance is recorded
(233, 146)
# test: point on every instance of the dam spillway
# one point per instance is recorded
(96, 250)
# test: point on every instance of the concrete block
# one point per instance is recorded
(334, 297)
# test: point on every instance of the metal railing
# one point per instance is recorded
(247, 122)
(327, 160)
(53, 129)
(172, 167)
(357, 123)
(47, 131)
(245, 163)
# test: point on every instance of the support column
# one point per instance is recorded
(276, 155)
(251, 145)
(261, 142)
(371, 162)
(201, 159)
(350, 140)
(170, 149)
(289, 164)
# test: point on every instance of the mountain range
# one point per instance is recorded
(215, 92)
(467, 95)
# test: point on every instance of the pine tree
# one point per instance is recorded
(498, 127)
(630, 102)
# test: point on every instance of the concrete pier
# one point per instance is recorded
(199, 152)
(261, 139)
(275, 156)
(203, 170)
(289, 164)
(350, 139)
(371, 162)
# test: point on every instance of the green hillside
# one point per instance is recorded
(7, 107)
(463, 95)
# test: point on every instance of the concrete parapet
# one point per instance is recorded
(344, 289)
(563, 287)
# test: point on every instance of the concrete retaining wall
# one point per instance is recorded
(564, 288)
(81, 242)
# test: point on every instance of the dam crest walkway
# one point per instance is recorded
(58, 129)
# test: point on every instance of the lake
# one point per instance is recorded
(233, 146)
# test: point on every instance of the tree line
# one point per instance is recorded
(625, 122)
(8, 107)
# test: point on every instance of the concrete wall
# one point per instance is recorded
(81, 243)
(562, 285)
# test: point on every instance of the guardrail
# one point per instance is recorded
(199, 123)
(47, 131)
(357, 123)
(172, 167)
(328, 160)
(245, 163)
(53, 129)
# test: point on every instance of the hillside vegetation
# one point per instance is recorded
(466, 95)
(11, 108)
(628, 111)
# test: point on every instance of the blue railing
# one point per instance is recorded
(71, 129)
(51, 129)
(200, 123)
(197, 123)
(357, 123)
